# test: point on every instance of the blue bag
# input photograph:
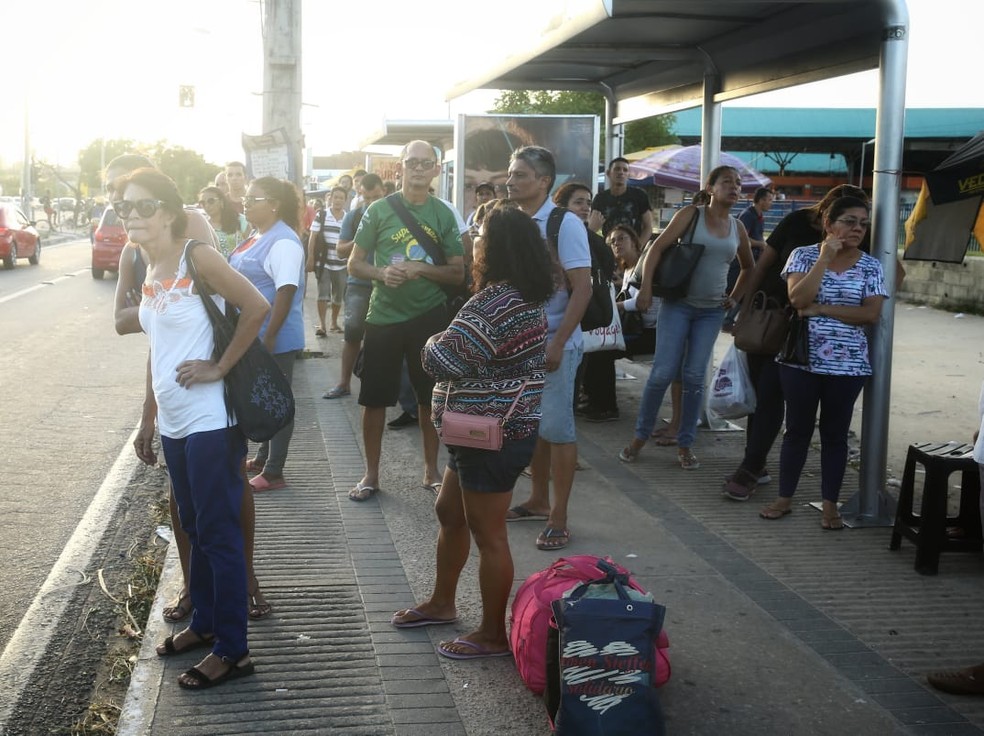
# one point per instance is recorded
(606, 664)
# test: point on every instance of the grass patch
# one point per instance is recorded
(132, 596)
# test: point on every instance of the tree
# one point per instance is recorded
(639, 134)
(188, 168)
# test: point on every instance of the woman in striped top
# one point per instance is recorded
(492, 353)
(840, 289)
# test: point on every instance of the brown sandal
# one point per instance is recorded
(178, 612)
(772, 512)
(258, 606)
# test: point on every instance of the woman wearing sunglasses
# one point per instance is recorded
(272, 258)
(230, 227)
(840, 289)
(204, 455)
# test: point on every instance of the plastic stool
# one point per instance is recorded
(927, 530)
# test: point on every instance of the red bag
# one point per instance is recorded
(530, 618)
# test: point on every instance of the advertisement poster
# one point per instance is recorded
(483, 144)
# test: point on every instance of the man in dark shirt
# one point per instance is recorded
(753, 218)
(621, 204)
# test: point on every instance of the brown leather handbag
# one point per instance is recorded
(762, 325)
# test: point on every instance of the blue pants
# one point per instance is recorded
(835, 396)
(273, 454)
(208, 486)
(685, 339)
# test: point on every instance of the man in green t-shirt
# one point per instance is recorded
(407, 305)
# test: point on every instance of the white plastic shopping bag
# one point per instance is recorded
(732, 393)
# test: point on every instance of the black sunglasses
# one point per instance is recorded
(144, 207)
(208, 201)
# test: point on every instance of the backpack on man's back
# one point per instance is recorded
(599, 310)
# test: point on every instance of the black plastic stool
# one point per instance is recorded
(927, 530)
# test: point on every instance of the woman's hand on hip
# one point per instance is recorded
(191, 372)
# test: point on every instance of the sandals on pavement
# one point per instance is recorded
(195, 679)
(362, 492)
(261, 484)
(336, 393)
(521, 513)
(320, 333)
(258, 606)
(832, 523)
(687, 459)
(181, 609)
(463, 649)
(968, 681)
(773, 512)
(628, 455)
(551, 539)
(198, 641)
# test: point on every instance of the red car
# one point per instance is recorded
(18, 238)
(107, 244)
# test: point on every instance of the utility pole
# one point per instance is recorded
(282, 75)
(26, 184)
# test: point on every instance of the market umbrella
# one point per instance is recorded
(679, 168)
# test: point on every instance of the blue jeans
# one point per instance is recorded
(208, 486)
(685, 338)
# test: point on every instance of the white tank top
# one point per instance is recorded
(174, 318)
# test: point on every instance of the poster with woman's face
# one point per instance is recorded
(483, 144)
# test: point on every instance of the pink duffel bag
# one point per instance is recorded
(530, 617)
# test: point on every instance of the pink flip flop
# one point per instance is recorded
(476, 651)
(261, 484)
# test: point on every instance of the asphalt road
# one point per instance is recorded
(71, 394)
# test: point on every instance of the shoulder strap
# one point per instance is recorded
(553, 225)
(425, 241)
(693, 227)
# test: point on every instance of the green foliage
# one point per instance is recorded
(640, 134)
(188, 168)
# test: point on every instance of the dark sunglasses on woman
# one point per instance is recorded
(144, 207)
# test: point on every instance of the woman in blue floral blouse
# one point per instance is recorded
(840, 289)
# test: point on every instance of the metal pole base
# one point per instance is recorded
(850, 511)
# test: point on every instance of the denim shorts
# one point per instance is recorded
(491, 471)
(557, 404)
(356, 309)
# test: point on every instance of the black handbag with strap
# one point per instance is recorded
(256, 389)
(457, 294)
(677, 264)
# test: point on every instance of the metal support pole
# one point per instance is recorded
(871, 506)
(710, 154)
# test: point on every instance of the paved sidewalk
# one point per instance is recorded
(775, 627)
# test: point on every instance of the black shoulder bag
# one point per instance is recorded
(457, 294)
(599, 312)
(256, 390)
(676, 266)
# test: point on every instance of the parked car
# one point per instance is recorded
(18, 237)
(107, 244)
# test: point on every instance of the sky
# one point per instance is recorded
(112, 69)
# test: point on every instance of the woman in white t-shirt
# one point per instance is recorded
(204, 454)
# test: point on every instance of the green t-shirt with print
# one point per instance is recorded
(384, 237)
